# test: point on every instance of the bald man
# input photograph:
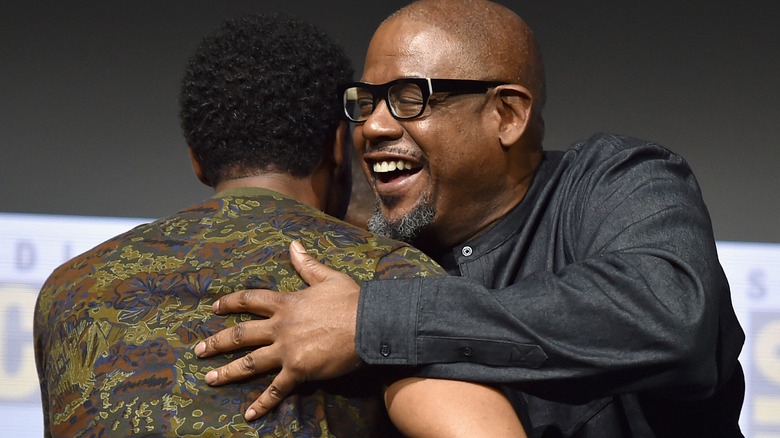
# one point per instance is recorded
(585, 283)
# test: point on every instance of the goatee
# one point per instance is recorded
(408, 227)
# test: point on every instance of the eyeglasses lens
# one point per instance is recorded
(358, 103)
(406, 100)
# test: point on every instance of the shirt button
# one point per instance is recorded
(384, 350)
(466, 351)
(466, 251)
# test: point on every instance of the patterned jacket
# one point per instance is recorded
(115, 327)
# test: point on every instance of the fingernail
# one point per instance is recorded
(215, 307)
(211, 377)
(251, 414)
(298, 247)
(200, 348)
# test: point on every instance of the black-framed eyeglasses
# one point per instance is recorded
(407, 98)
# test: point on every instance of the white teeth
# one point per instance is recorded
(389, 166)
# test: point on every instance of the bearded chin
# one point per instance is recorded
(406, 228)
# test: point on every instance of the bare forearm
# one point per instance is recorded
(430, 408)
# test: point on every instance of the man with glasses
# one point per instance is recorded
(584, 282)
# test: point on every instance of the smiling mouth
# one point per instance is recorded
(389, 170)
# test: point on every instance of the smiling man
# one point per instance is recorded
(584, 282)
(447, 176)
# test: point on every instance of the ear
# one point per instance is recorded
(338, 165)
(198, 170)
(342, 145)
(514, 109)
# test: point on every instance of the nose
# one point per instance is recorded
(379, 126)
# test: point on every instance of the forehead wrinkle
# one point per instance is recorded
(403, 48)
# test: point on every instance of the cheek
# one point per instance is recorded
(457, 156)
(359, 145)
(367, 175)
(358, 141)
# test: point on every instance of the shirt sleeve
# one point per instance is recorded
(40, 341)
(640, 304)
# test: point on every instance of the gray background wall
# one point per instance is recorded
(88, 94)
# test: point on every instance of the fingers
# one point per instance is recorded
(256, 301)
(280, 387)
(244, 334)
(308, 267)
(259, 361)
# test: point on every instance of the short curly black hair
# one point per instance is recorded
(260, 94)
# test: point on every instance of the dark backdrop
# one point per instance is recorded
(88, 94)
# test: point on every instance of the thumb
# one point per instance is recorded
(308, 267)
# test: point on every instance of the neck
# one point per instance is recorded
(300, 189)
(490, 208)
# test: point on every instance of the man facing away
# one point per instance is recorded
(114, 327)
(585, 281)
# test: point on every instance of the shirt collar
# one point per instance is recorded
(248, 192)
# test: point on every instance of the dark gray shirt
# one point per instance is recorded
(598, 301)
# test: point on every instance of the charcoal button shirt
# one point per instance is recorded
(599, 302)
